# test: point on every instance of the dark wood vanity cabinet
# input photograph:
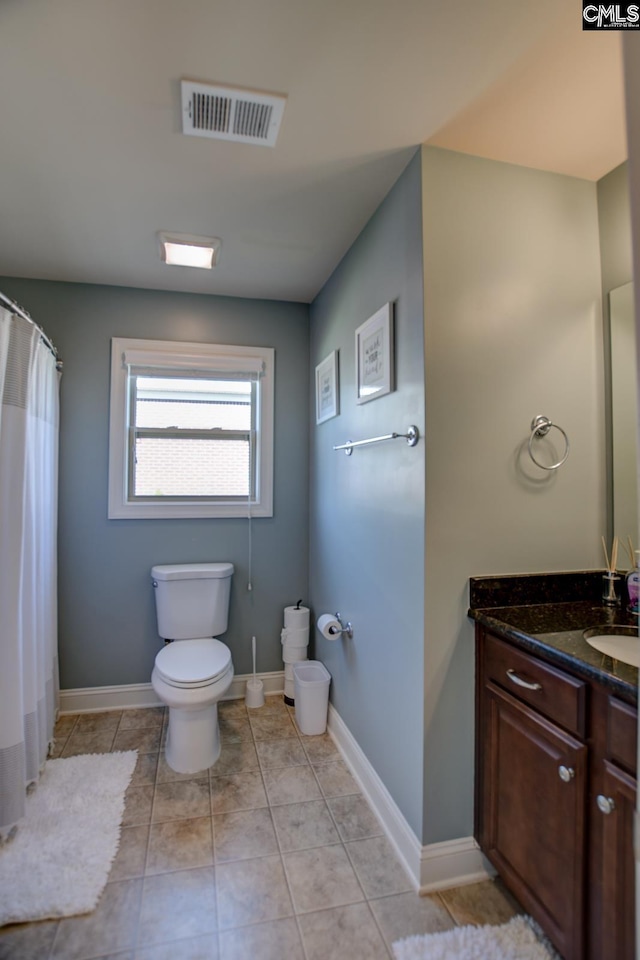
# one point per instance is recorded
(618, 865)
(614, 801)
(555, 797)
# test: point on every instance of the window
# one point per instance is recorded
(191, 430)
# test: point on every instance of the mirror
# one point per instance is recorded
(624, 417)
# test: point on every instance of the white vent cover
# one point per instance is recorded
(225, 113)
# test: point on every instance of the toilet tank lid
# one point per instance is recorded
(192, 571)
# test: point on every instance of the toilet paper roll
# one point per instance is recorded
(296, 617)
(299, 637)
(294, 654)
(329, 627)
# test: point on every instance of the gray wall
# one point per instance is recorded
(512, 329)
(614, 217)
(632, 92)
(367, 510)
(107, 617)
(632, 89)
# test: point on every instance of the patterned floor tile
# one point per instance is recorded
(271, 852)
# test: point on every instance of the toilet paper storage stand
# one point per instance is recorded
(346, 629)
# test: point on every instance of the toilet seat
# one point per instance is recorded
(193, 663)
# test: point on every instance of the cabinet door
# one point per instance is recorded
(533, 816)
(615, 810)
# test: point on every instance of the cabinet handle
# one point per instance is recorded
(513, 676)
(605, 804)
(566, 773)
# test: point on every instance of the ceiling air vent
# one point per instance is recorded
(225, 113)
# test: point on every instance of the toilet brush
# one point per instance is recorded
(254, 696)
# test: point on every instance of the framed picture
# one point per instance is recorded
(327, 402)
(374, 356)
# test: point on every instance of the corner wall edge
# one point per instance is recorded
(436, 866)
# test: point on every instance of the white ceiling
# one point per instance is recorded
(93, 163)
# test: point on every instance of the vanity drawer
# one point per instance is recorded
(622, 734)
(557, 695)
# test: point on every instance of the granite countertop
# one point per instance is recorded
(553, 627)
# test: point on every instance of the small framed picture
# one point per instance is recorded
(327, 401)
(374, 356)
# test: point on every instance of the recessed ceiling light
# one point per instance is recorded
(186, 250)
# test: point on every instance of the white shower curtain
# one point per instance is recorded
(28, 570)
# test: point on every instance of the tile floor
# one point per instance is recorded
(271, 853)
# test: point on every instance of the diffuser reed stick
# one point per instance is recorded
(629, 549)
(614, 555)
(612, 564)
(610, 578)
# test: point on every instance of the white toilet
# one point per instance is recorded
(193, 673)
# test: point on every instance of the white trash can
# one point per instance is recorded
(311, 681)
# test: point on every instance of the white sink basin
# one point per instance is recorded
(619, 643)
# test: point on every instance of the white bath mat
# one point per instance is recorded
(511, 941)
(58, 862)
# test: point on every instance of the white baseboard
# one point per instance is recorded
(432, 867)
(97, 699)
(133, 695)
(452, 863)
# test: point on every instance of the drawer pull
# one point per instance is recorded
(566, 773)
(513, 676)
(605, 804)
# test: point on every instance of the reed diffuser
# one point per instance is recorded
(610, 578)
(633, 580)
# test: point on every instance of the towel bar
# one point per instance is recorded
(411, 436)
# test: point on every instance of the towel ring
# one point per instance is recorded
(540, 427)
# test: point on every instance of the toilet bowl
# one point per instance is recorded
(190, 677)
(193, 672)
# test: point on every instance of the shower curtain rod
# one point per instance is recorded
(21, 312)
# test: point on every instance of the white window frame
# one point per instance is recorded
(180, 355)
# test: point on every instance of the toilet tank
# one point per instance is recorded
(192, 599)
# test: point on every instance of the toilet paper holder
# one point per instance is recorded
(345, 628)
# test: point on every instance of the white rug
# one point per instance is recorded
(511, 941)
(58, 862)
